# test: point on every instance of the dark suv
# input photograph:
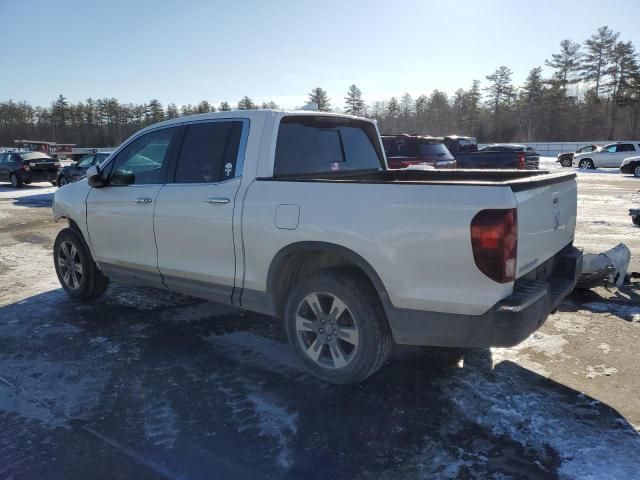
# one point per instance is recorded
(404, 150)
(23, 168)
(78, 169)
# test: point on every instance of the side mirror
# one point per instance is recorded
(94, 177)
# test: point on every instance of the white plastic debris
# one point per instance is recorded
(610, 267)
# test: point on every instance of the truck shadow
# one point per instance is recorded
(208, 391)
(623, 302)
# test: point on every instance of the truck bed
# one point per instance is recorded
(515, 179)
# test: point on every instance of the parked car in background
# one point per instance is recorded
(296, 215)
(566, 159)
(495, 156)
(631, 165)
(609, 156)
(405, 150)
(78, 169)
(23, 168)
(530, 154)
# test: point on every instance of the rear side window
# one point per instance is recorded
(626, 147)
(309, 144)
(209, 152)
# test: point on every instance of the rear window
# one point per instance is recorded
(310, 144)
(35, 156)
(434, 151)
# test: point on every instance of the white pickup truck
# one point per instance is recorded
(295, 215)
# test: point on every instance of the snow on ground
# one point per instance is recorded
(44, 189)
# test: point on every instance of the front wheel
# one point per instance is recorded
(636, 171)
(337, 326)
(587, 164)
(77, 272)
(566, 162)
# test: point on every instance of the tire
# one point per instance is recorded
(85, 283)
(566, 162)
(16, 182)
(62, 180)
(636, 171)
(364, 342)
(586, 163)
(635, 219)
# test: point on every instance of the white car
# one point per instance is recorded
(609, 156)
(296, 215)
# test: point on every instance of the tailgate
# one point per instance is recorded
(546, 221)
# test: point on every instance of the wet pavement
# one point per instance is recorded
(145, 384)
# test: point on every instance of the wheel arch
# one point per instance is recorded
(301, 259)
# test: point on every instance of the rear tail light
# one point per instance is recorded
(521, 160)
(494, 240)
(26, 166)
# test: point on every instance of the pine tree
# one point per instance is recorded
(566, 63)
(623, 71)
(531, 99)
(596, 58)
(172, 111)
(354, 101)
(155, 112)
(205, 107)
(270, 105)
(246, 104)
(320, 97)
(224, 107)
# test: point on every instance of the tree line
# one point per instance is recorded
(592, 93)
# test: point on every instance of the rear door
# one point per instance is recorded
(120, 214)
(546, 221)
(194, 210)
(623, 150)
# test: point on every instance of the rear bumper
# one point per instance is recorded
(39, 176)
(508, 323)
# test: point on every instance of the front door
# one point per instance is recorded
(194, 211)
(120, 214)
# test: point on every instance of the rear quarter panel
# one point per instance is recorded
(416, 237)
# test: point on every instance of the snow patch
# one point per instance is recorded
(600, 370)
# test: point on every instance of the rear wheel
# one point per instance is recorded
(77, 272)
(15, 181)
(636, 171)
(586, 163)
(62, 180)
(337, 326)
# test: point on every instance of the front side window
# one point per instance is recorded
(209, 152)
(316, 144)
(144, 160)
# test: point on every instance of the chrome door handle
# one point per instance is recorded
(217, 200)
(142, 200)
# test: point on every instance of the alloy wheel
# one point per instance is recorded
(327, 330)
(70, 265)
(636, 171)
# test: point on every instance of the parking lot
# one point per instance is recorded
(146, 384)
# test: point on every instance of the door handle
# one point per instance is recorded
(217, 200)
(142, 200)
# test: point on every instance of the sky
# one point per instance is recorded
(185, 51)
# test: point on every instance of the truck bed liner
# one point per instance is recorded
(515, 179)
